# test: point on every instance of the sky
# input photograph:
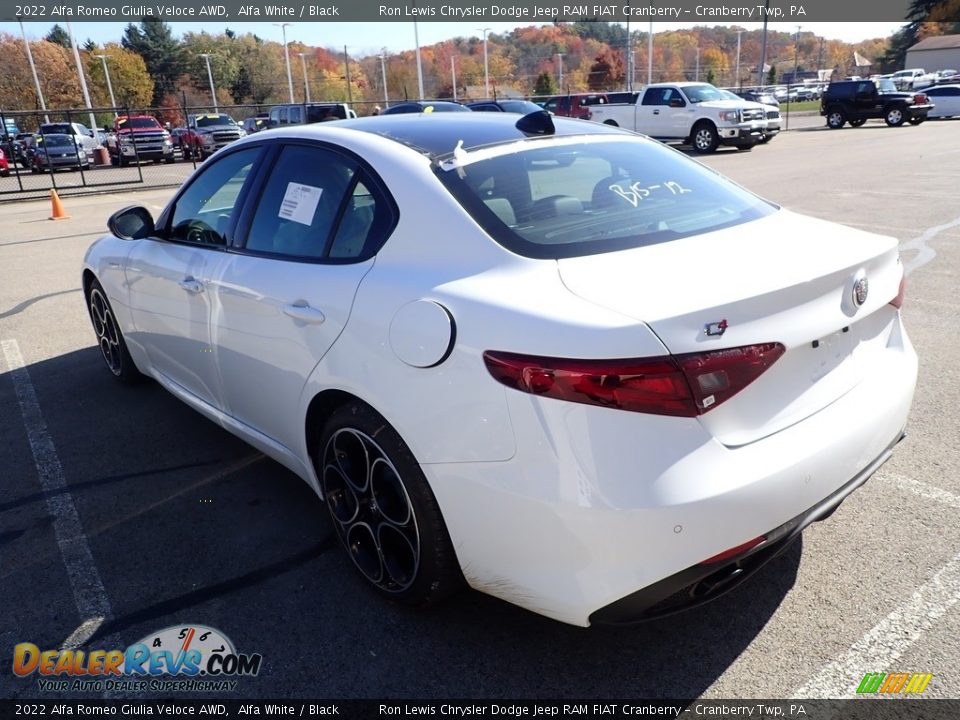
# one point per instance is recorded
(398, 36)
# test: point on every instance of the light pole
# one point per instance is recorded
(560, 71)
(796, 56)
(650, 55)
(106, 72)
(763, 52)
(33, 69)
(383, 72)
(286, 56)
(453, 78)
(737, 81)
(346, 72)
(213, 92)
(416, 39)
(306, 83)
(697, 77)
(83, 79)
(486, 65)
(629, 58)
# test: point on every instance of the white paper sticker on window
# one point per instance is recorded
(300, 203)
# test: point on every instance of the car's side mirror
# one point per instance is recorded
(132, 223)
(677, 103)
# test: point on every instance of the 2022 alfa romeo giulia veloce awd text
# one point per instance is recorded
(552, 360)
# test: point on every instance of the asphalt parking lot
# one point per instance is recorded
(187, 525)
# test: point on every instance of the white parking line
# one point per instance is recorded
(889, 639)
(925, 490)
(925, 253)
(89, 594)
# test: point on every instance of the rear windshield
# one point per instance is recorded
(572, 198)
(138, 123)
(58, 141)
(64, 128)
(319, 113)
(214, 120)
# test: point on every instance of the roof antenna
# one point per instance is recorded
(539, 122)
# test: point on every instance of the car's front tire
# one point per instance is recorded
(113, 348)
(383, 510)
(705, 138)
(894, 117)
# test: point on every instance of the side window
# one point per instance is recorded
(655, 96)
(300, 203)
(550, 105)
(296, 115)
(363, 220)
(564, 104)
(203, 211)
(282, 115)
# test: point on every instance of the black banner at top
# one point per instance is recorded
(859, 709)
(522, 11)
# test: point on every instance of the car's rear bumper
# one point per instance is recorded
(704, 582)
(598, 505)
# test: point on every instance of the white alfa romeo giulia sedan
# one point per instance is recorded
(553, 360)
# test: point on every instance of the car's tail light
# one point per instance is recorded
(735, 551)
(679, 385)
(919, 99)
(897, 302)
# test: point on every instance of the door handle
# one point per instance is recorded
(656, 112)
(301, 310)
(191, 285)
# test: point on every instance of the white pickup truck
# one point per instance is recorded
(689, 112)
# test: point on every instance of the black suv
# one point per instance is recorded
(856, 101)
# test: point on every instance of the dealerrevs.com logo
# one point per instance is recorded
(177, 659)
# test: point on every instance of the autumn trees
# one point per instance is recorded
(151, 66)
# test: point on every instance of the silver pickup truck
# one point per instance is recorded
(690, 113)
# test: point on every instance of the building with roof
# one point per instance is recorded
(935, 53)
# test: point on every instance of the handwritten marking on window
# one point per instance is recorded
(636, 192)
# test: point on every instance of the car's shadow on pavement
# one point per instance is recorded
(186, 524)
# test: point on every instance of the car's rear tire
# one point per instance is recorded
(611, 122)
(382, 508)
(704, 138)
(113, 348)
(857, 122)
(835, 118)
(894, 116)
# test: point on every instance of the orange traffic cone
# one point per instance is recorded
(58, 212)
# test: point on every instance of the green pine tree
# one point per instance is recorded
(59, 36)
(545, 85)
(153, 41)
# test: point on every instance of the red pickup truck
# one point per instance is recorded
(139, 137)
(208, 133)
(575, 106)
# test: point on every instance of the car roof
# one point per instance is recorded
(439, 135)
(683, 83)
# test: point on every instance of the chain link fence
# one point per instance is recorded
(76, 151)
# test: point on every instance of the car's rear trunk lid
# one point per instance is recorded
(784, 278)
